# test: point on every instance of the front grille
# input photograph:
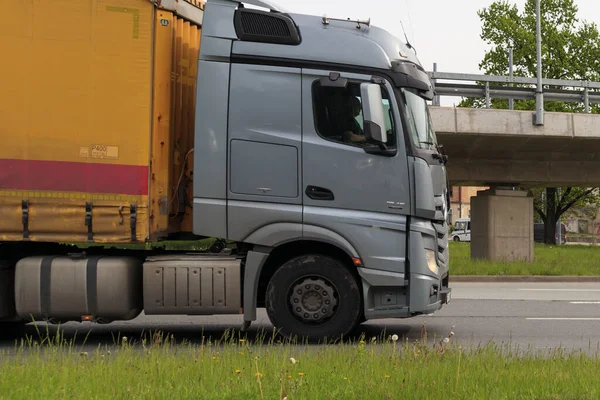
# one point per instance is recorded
(441, 227)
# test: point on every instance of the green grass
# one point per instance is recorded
(236, 369)
(569, 260)
(572, 235)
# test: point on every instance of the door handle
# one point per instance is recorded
(319, 193)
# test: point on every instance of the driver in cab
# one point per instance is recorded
(353, 132)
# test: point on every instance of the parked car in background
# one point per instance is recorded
(462, 230)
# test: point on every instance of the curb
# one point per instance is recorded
(524, 278)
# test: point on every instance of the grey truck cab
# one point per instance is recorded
(315, 152)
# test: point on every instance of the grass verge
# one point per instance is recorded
(570, 260)
(235, 369)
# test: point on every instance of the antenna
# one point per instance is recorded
(410, 46)
(358, 22)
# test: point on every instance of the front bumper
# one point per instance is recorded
(428, 294)
(429, 270)
(445, 295)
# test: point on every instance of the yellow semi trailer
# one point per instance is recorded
(98, 106)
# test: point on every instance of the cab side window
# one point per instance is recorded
(339, 115)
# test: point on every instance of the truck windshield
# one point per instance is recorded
(419, 120)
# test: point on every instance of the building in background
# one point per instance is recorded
(460, 201)
(582, 224)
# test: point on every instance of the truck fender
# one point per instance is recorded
(274, 235)
(271, 236)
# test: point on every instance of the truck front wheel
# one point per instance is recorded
(314, 297)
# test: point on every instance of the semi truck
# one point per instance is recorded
(303, 141)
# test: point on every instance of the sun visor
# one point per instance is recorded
(408, 74)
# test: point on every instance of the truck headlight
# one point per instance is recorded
(430, 256)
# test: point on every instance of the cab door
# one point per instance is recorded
(356, 194)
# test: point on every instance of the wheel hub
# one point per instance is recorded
(313, 300)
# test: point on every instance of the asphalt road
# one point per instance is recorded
(541, 316)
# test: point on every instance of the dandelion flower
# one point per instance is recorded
(345, 378)
(214, 357)
(238, 371)
(124, 339)
(289, 377)
(387, 377)
(395, 337)
(446, 340)
(293, 360)
(258, 374)
(301, 373)
(242, 340)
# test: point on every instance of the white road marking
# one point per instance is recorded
(585, 302)
(563, 319)
(561, 290)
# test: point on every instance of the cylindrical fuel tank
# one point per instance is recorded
(76, 288)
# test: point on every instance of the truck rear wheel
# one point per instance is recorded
(314, 297)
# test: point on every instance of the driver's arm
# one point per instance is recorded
(353, 137)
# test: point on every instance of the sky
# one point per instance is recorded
(442, 31)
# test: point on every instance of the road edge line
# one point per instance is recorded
(522, 278)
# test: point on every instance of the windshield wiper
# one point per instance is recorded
(442, 156)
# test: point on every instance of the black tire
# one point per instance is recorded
(313, 270)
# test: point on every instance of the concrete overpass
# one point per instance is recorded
(488, 146)
(491, 147)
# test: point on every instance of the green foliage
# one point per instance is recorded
(570, 48)
(572, 202)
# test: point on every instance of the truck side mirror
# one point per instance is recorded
(374, 121)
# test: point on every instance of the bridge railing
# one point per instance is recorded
(574, 91)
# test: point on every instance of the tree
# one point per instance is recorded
(549, 206)
(570, 50)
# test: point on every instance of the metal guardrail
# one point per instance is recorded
(586, 92)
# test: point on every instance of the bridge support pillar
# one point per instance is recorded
(502, 225)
